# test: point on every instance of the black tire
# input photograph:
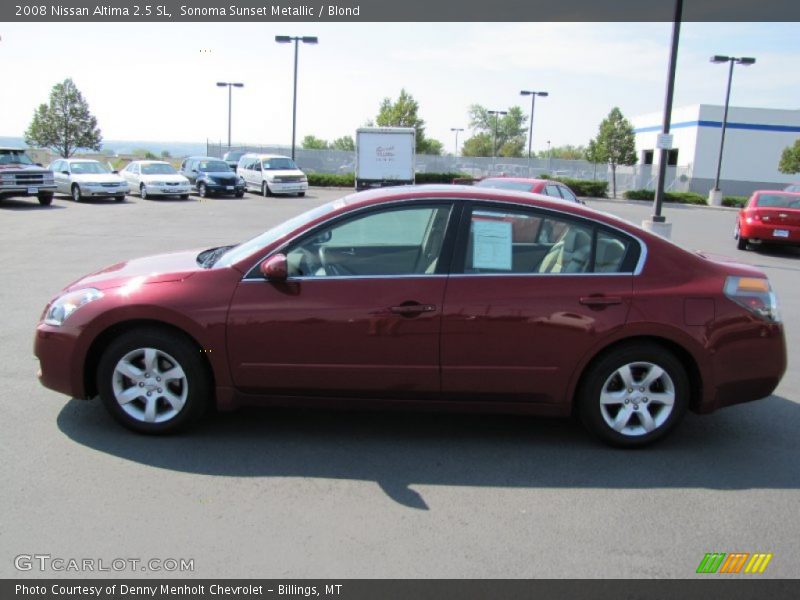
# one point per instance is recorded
(75, 192)
(184, 196)
(170, 347)
(202, 190)
(603, 374)
(301, 194)
(741, 243)
(143, 192)
(239, 194)
(119, 198)
(265, 191)
(45, 199)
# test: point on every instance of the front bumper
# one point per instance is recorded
(219, 188)
(104, 192)
(58, 370)
(32, 190)
(292, 187)
(168, 190)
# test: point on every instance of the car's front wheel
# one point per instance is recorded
(202, 190)
(634, 395)
(45, 199)
(143, 191)
(153, 381)
(76, 192)
(265, 191)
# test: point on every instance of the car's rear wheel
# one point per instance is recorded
(76, 192)
(143, 191)
(634, 395)
(741, 243)
(153, 381)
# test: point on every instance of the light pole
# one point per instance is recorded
(549, 159)
(456, 129)
(285, 39)
(715, 195)
(496, 114)
(533, 95)
(229, 85)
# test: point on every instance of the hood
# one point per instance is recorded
(19, 167)
(151, 269)
(283, 172)
(97, 178)
(171, 178)
(219, 173)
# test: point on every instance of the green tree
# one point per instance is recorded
(404, 113)
(314, 143)
(509, 138)
(65, 123)
(592, 154)
(165, 154)
(615, 144)
(568, 152)
(344, 143)
(790, 159)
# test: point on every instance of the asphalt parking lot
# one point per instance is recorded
(285, 493)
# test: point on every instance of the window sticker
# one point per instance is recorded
(491, 247)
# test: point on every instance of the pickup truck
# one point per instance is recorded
(19, 176)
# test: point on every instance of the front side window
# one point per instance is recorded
(567, 193)
(398, 241)
(523, 241)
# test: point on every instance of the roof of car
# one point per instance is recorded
(520, 179)
(263, 156)
(12, 148)
(780, 192)
(202, 158)
(149, 162)
(78, 159)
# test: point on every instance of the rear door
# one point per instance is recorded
(530, 293)
(360, 313)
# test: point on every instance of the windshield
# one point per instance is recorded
(235, 155)
(505, 185)
(271, 235)
(778, 201)
(14, 157)
(158, 169)
(213, 166)
(88, 168)
(275, 164)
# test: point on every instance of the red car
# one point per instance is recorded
(547, 187)
(769, 217)
(430, 297)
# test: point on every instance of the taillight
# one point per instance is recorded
(752, 216)
(755, 294)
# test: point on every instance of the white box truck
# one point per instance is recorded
(385, 156)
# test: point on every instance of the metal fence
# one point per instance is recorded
(341, 161)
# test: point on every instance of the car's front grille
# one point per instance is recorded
(29, 178)
(290, 178)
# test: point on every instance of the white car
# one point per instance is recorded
(155, 178)
(83, 178)
(272, 174)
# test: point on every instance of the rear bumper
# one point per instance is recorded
(773, 233)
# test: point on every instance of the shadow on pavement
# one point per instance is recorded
(754, 445)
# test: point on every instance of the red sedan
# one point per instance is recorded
(769, 217)
(431, 297)
(547, 187)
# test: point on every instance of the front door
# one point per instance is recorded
(360, 313)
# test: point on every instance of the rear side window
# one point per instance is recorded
(504, 241)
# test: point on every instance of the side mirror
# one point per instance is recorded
(194, 170)
(275, 268)
(65, 172)
(258, 167)
(115, 172)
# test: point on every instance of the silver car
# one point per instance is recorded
(84, 178)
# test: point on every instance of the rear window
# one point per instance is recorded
(500, 184)
(778, 201)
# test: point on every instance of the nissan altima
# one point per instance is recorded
(430, 297)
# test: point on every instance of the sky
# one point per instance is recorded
(157, 81)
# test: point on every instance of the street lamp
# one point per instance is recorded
(715, 195)
(229, 85)
(496, 114)
(285, 39)
(456, 129)
(549, 158)
(533, 95)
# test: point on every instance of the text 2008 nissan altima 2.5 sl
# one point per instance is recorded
(442, 297)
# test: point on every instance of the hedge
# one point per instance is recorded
(736, 201)
(331, 179)
(678, 197)
(585, 187)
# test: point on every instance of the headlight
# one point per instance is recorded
(64, 306)
(7, 178)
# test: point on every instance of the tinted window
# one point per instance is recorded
(521, 186)
(399, 241)
(552, 190)
(778, 201)
(523, 241)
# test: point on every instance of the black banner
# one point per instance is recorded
(734, 588)
(395, 10)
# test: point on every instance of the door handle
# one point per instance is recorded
(410, 310)
(599, 301)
